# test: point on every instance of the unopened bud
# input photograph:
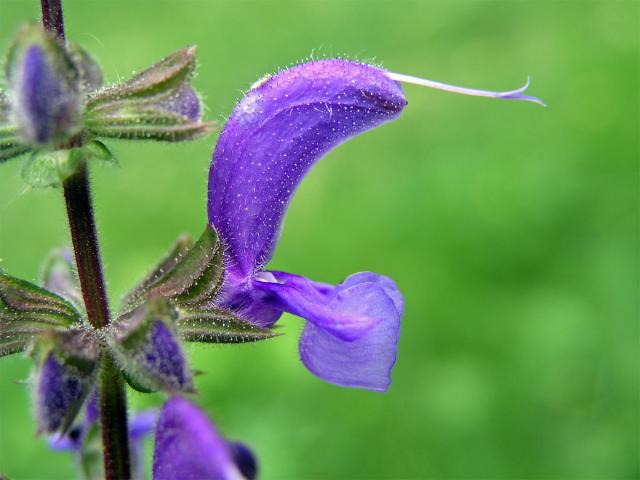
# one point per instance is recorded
(44, 88)
(149, 351)
(64, 379)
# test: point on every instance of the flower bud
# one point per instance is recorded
(149, 351)
(65, 378)
(158, 103)
(44, 88)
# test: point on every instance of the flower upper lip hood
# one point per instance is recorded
(273, 137)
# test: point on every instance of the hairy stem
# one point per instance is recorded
(52, 17)
(77, 194)
(85, 244)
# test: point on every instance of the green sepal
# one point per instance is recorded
(191, 268)
(214, 325)
(163, 78)
(88, 69)
(23, 301)
(5, 109)
(27, 311)
(10, 144)
(59, 276)
(189, 275)
(163, 127)
(139, 383)
(139, 294)
(204, 290)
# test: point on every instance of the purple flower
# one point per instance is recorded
(188, 447)
(277, 132)
(273, 137)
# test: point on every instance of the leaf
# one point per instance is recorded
(213, 325)
(51, 168)
(96, 150)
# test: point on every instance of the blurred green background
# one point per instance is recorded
(511, 229)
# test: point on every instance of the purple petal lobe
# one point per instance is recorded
(70, 442)
(188, 446)
(275, 135)
(348, 320)
(352, 335)
(367, 361)
(44, 105)
(60, 390)
(184, 102)
(162, 358)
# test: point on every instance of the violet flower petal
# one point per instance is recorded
(352, 335)
(58, 391)
(298, 295)
(275, 135)
(44, 106)
(188, 446)
(366, 362)
(162, 357)
(184, 102)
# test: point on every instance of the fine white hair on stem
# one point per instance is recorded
(516, 94)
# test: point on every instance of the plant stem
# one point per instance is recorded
(52, 17)
(113, 398)
(77, 194)
(85, 245)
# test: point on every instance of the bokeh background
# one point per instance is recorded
(511, 229)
